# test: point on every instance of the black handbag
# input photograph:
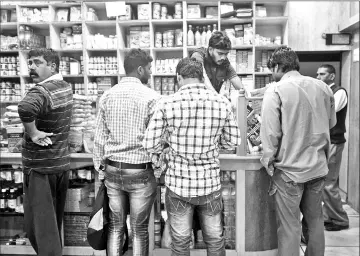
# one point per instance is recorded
(97, 230)
(99, 220)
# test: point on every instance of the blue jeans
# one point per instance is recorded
(290, 199)
(180, 213)
(134, 190)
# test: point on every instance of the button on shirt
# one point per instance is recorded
(297, 114)
(195, 122)
(124, 112)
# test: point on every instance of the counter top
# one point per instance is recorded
(227, 161)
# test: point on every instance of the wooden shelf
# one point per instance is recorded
(101, 23)
(167, 22)
(270, 21)
(169, 49)
(9, 51)
(234, 21)
(72, 76)
(4, 77)
(202, 21)
(266, 47)
(38, 25)
(128, 23)
(101, 50)
(68, 50)
(8, 26)
(62, 24)
(262, 73)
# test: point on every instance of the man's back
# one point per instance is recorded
(305, 111)
(126, 108)
(196, 122)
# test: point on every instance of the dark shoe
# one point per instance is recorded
(334, 227)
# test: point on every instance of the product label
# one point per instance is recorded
(12, 203)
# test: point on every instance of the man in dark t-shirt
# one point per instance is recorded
(216, 64)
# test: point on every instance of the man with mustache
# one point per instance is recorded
(218, 70)
(46, 113)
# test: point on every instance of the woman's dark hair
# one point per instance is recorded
(285, 58)
(190, 68)
(136, 58)
(219, 41)
(48, 54)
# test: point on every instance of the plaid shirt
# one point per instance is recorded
(124, 112)
(195, 122)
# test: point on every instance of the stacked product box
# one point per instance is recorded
(165, 85)
(138, 37)
(244, 61)
(229, 198)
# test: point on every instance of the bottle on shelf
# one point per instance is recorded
(3, 200)
(203, 37)
(190, 39)
(197, 37)
(208, 34)
(12, 201)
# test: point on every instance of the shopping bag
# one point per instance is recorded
(99, 220)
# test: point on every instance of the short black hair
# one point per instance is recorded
(190, 68)
(48, 54)
(330, 68)
(136, 58)
(219, 41)
(285, 58)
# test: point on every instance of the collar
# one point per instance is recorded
(53, 77)
(331, 85)
(193, 86)
(129, 79)
(290, 74)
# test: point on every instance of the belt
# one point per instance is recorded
(121, 165)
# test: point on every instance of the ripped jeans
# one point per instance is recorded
(180, 213)
(291, 198)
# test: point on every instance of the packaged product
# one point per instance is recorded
(75, 13)
(76, 139)
(62, 14)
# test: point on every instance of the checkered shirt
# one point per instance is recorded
(196, 122)
(124, 112)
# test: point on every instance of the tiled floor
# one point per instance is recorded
(344, 242)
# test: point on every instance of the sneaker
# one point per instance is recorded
(334, 227)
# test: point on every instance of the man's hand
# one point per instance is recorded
(41, 138)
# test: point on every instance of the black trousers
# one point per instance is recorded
(44, 203)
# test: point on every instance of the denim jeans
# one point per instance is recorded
(290, 199)
(333, 208)
(134, 190)
(180, 213)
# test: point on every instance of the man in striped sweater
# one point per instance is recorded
(46, 113)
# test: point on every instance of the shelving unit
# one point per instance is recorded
(275, 24)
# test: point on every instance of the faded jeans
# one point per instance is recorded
(290, 197)
(134, 190)
(180, 213)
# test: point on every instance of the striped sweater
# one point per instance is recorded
(50, 105)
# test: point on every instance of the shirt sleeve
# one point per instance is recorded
(340, 100)
(101, 135)
(230, 72)
(230, 137)
(153, 142)
(270, 130)
(31, 105)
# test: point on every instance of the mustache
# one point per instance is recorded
(33, 73)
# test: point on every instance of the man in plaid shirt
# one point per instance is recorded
(195, 122)
(124, 112)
